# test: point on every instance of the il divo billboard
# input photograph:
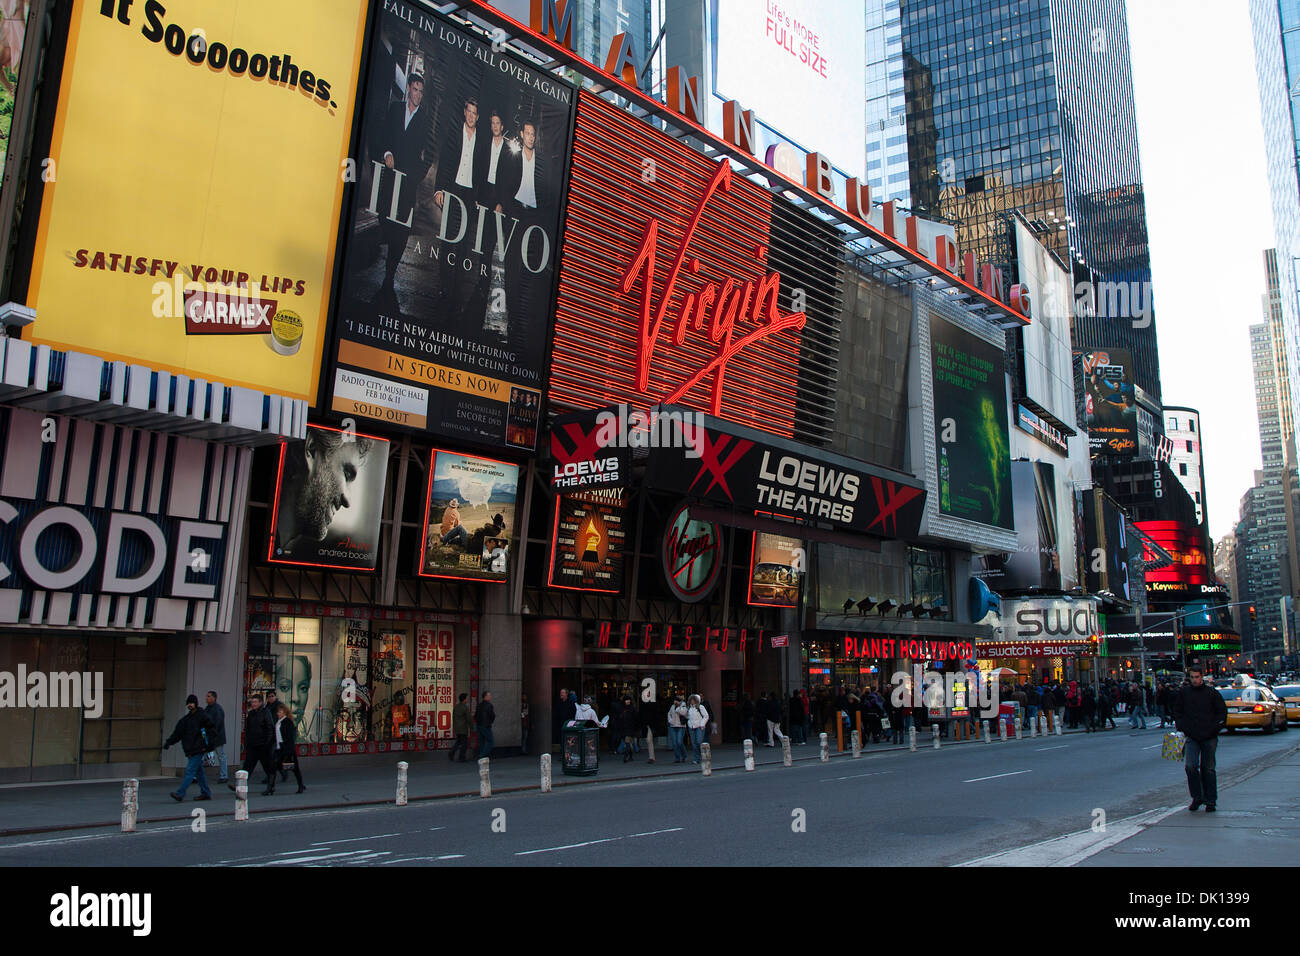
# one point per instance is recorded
(675, 287)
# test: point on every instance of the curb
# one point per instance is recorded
(70, 827)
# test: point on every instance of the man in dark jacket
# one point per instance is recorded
(195, 733)
(259, 739)
(485, 717)
(460, 727)
(218, 718)
(630, 726)
(1199, 712)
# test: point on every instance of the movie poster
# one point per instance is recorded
(469, 517)
(775, 570)
(973, 443)
(328, 500)
(589, 540)
(450, 262)
(259, 675)
(1110, 403)
(434, 664)
(390, 659)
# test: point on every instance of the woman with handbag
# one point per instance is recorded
(286, 751)
(697, 718)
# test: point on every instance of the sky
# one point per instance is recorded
(1203, 160)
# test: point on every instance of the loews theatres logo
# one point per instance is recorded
(279, 69)
(731, 316)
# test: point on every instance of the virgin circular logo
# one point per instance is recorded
(691, 555)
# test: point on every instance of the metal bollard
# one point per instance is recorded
(749, 755)
(911, 739)
(855, 741)
(402, 767)
(1002, 729)
(1059, 729)
(839, 732)
(785, 752)
(1033, 726)
(1020, 731)
(241, 796)
(934, 735)
(706, 759)
(650, 744)
(987, 738)
(546, 773)
(485, 776)
(825, 748)
(130, 804)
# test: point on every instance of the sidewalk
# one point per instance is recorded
(1257, 823)
(358, 780)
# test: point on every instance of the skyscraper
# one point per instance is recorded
(1276, 27)
(1029, 106)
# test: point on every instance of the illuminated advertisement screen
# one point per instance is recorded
(449, 267)
(776, 569)
(1046, 367)
(791, 62)
(193, 211)
(329, 495)
(1036, 562)
(1107, 546)
(677, 284)
(1186, 545)
(972, 438)
(588, 540)
(468, 517)
(1110, 403)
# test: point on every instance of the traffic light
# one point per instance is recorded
(1253, 618)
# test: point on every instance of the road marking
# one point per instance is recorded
(996, 775)
(313, 859)
(1074, 848)
(654, 832)
(571, 846)
(1154, 746)
(875, 773)
(1041, 749)
(415, 859)
(380, 836)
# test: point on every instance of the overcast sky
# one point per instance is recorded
(1202, 161)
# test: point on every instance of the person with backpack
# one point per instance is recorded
(195, 733)
(697, 721)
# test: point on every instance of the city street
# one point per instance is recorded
(957, 805)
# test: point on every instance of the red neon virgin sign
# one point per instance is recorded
(719, 311)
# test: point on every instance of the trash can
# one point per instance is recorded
(581, 742)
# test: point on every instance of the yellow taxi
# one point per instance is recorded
(1290, 695)
(1253, 705)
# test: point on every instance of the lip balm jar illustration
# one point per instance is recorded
(286, 332)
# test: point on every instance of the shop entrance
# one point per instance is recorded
(605, 686)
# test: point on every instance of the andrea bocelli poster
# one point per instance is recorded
(328, 500)
(449, 268)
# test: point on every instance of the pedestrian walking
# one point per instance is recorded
(272, 708)
(259, 738)
(1105, 707)
(524, 720)
(747, 711)
(1199, 712)
(484, 718)
(194, 732)
(1088, 710)
(677, 717)
(797, 717)
(286, 748)
(218, 718)
(772, 716)
(697, 721)
(460, 727)
(630, 727)
(1073, 702)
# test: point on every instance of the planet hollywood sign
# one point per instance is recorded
(912, 648)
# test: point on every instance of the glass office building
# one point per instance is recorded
(1028, 105)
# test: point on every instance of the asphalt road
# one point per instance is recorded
(928, 808)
